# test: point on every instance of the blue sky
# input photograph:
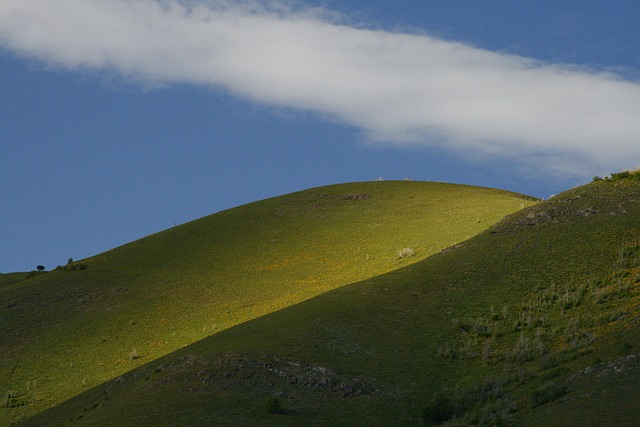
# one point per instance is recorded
(119, 119)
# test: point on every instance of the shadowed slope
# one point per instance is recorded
(12, 278)
(518, 324)
(65, 331)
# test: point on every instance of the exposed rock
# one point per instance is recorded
(279, 375)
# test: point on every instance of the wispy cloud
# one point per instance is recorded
(396, 87)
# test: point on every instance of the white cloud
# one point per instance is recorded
(397, 88)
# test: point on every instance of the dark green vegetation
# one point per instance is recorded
(11, 278)
(531, 322)
(65, 331)
(617, 176)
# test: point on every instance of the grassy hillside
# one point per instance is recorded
(12, 278)
(68, 330)
(533, 322)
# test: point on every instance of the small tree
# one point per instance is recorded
(40, 268)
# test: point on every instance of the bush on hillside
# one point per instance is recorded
(618, 176)
(547, 393)
(72, 267)
(405, 252)
(484, 403)
(440, 409)
(272, 405)
(13, 399)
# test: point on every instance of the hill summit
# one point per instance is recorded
(66, 331)
(531, 322)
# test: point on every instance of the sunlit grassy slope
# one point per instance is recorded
(66, 331)
(532, 322)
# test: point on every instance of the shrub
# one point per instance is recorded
(526, 349)
(272, 405)
(13, 399)
(134, 354)
(484, 403)
(547, 393)
(620, 175)
(72, 267)
(617, 176)
(77, 267)
(440, 409)
(549, 361)
(405, 252)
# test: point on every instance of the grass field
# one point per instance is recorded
(532, 322)
(8, 279)
(66, 331)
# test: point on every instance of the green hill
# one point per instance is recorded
(68, 330)
(532, 322)
(11, 278)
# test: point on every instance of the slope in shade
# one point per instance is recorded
(524, 323)
(66, 331)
